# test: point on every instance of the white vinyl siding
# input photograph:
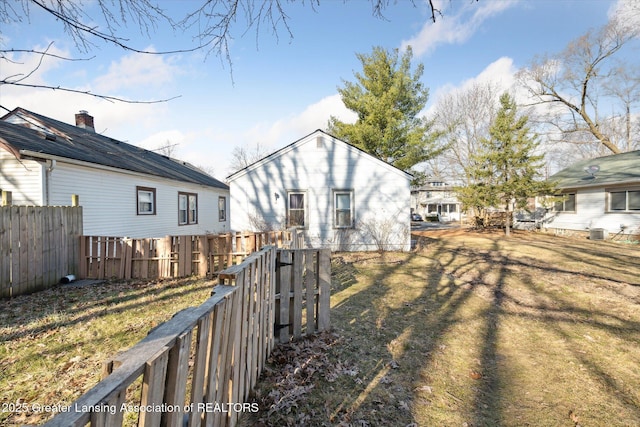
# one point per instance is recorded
(260, 194)
(28, 189)
(110, 209)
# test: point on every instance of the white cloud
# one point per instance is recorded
(135, 70)
(627, 13)
(455, 28)
(125, 121)
(32, 66)
(289, 129)
(500, 73)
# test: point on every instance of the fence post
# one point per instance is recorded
(324, 285)
(6, 198)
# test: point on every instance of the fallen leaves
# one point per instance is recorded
(475, 375)
(291, 373)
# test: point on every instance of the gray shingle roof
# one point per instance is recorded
(621, 168)
(76, 143)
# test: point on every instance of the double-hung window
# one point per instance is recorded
(623, 200)
(222, 208)
(296, 209)
(567, 204)
(343, 208)
(187, 208)
(146, 200)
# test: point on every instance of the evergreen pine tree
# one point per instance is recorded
(505, 170)
(388, 99)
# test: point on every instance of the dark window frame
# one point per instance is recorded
(222, 208)
(628, 202)
(336, 211)
(305, 211)
(151, 190)
(190, 219)
(569, 196)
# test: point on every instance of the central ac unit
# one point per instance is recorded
(597, 234)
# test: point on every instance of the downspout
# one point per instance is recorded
(49, 166)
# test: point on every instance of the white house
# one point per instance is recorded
(600, 194)
(344, 198)
(436, 199)
(124, 190)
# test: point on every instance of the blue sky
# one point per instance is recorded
(283, 88)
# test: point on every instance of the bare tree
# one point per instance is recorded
(624, 86)
(573, 83)
(211, 23)
(167, 149)
(464, 116)
(244, 155)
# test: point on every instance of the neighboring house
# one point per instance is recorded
(436, 199)
(601, 193)
(124, 190)
(344, 198)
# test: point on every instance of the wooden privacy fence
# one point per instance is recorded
(38, 246)
(301, 296)
(199, 367)
(174, 256)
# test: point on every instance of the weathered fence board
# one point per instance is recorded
(173, 256)
(232, 335)
(302, 292)
(38, 246)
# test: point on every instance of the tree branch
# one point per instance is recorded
(87, 92)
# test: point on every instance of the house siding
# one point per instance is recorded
(109, 200)
(318, 166)
(23, 178)
(591, 213)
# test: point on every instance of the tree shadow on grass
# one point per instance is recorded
(415, 337)
(393, 334)
(58, 307)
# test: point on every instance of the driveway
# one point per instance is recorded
(429, 225)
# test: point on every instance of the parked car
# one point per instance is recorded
(416, 217)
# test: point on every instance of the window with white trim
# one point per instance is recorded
(146, 200)
(187, 208)
(222, 208)
(296, 208)
(343, 208)
(567, 204)
(623, 200)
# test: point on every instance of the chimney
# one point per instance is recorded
(85, 121)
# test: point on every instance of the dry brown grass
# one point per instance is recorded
(473, 329)
(53, 343)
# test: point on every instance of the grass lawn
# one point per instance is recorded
(472, 329)
(53, 343)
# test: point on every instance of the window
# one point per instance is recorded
(187, 208)
(624, 200)
(567, 204)
(222, 208)
(146, 200)
(343, 207)
(296, 213)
